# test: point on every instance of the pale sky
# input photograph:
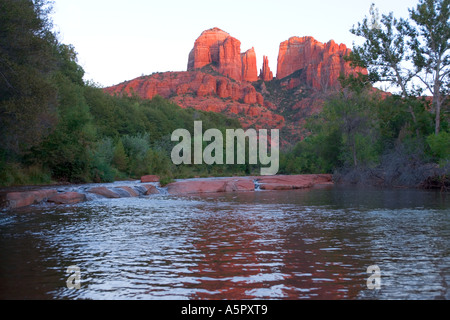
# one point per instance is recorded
(121, 40)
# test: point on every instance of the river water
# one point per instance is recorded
(302, 244)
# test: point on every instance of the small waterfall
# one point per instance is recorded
(257, 185)
(140, 189)
(92, 196)
(121, 192)
(162, 190)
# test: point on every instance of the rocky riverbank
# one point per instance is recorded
(149, 185)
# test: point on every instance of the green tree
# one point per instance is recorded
(429, 32)
(67, 149)
(350, 114)
(346, 133)
(384, 51)
(392, 45)
(101, 160)
(440, 145)
(27, 60)
(120, 159)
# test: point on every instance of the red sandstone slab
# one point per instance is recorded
(292, 182)
(105, 192)
(146, 179)
(211, 186)
(239, 185)
(324, 179)
(27, 198)
(132, 192)
(276, 186)
(151, 189)
(67, 198)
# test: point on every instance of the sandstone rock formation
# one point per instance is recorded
(15, 200)
(220, 78)
(266, 74)
(206, 92)
(196, 83)
(130, 191)
(321, 63)
(104, 192)
(150, 178)
(217, 185)
(150, 189)
(19, 199)
(223, 52)
(67, 198)
(249, 69)
(283, 182)
(246, 184)
(207, 48)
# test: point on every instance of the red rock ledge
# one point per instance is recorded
(14, 200)
(246, 184)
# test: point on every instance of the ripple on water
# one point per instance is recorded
(265, 245)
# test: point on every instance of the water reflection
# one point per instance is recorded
(304, 244)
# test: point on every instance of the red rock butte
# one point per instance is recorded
(221, 78)
(266, 74)
(322, 63)
(249, 65)
(216, 47)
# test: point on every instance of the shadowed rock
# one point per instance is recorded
(130, 191)
(105, 192)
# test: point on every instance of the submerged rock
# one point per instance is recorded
(150, 189)
(105, 192)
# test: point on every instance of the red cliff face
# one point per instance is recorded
(230, 63)
(194, 83)
(205, 92)
(206, 48)
(297, 53)
(266, 74)
(249, 66)
(216, 47)
(322, 63)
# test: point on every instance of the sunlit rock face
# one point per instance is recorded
(322, 63)
(266, 74)
(220, 78)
